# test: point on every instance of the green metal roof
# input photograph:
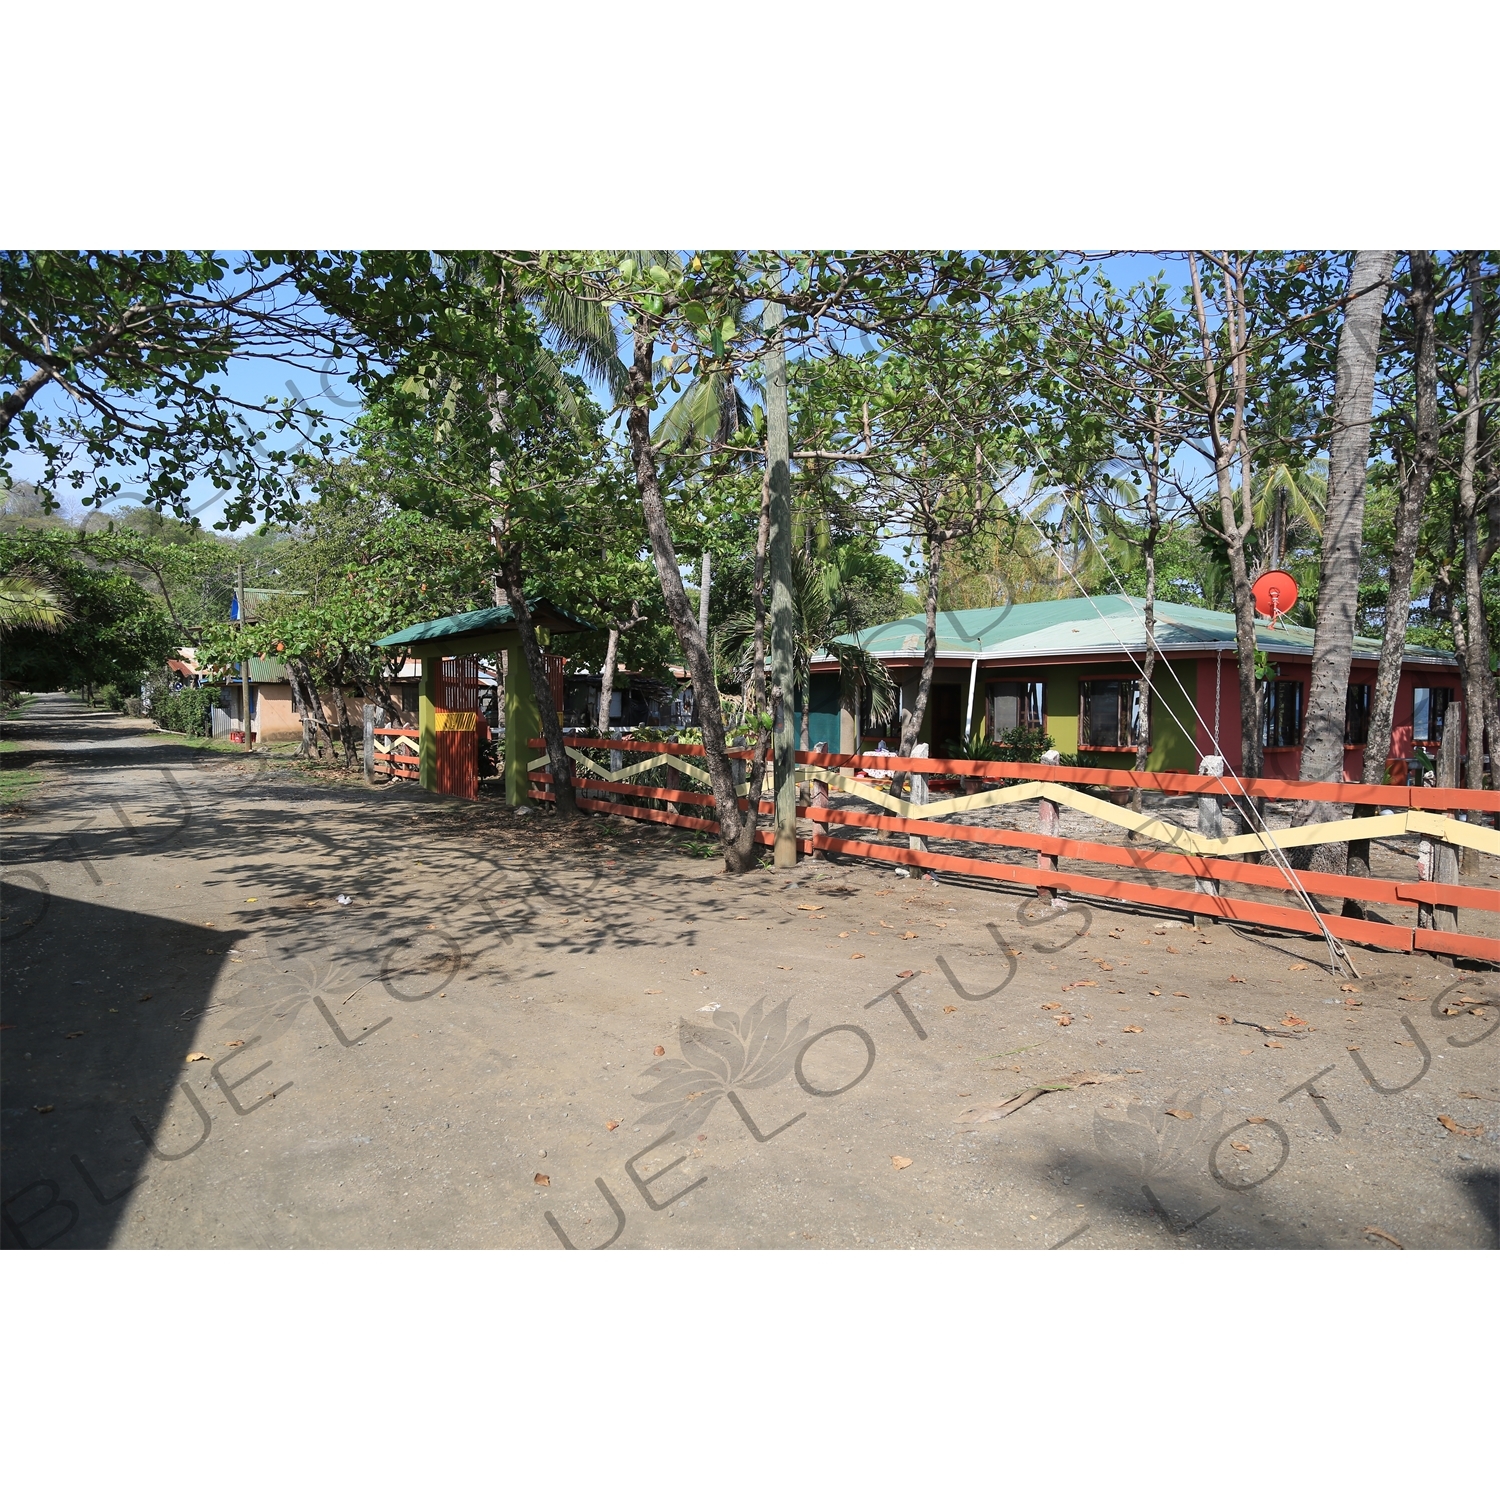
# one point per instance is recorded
(476, 622)
(1105, 624)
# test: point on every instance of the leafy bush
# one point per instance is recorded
(185, 710)
(1020, 744)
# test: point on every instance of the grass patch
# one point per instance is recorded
(16, 786)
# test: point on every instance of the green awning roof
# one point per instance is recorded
(1107, 623)
(455, 629)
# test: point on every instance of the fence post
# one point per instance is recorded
(1049, 823)
(370, 743)
(917, 796)
(1444, 860)
(819, 799)
(1211, 826)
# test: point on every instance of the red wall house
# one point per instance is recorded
(1283, 762)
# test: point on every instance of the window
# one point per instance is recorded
(1357, 713)
(1282, 720)
(873, 728)
(411, 691)
(1109, 714)
(1429, 709)
(1016, 705)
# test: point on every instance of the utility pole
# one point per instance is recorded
(239, 588)
(779, 478)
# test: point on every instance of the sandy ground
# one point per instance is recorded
(523, 1033)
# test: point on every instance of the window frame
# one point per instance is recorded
(1274, 689)
(1367, 689)
(1129, 717)
(1448, 701)
(1023, 682)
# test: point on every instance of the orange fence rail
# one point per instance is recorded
(1142, 866)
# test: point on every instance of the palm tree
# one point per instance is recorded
(28, 602)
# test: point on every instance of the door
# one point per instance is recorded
(947, 718)
(456, 726)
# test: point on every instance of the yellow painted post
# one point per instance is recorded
(427, 723)
(522, 723)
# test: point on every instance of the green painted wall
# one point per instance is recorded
(1172, 743)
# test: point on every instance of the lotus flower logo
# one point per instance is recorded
(751, 1051)
(1153, 1143)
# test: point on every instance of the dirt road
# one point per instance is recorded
(518, 1033)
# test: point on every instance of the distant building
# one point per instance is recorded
(1072, 668)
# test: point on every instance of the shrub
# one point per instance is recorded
(185, 710)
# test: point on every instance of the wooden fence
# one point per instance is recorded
(1158, 847)
(398, 752)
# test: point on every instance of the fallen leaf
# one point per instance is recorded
(702, 973)
(542, 1180)
(43, 1109)
(1235, 979)
(1449, 1123)
(1082, 984)
(1370, 1229)
(1478, 1010)
(787, 967)
(1053, 1005)
(199, 1057)
(843, 934)
(251, 900)
(900, 1163)
(1130, 1028)
(947, 1011)
(1225, 1020)
(1350, 1000)
(660, 1051)
(1468, 1094)
(905, 973)
(1181, 995)
(68, 1036)
(1153, 992)
(235, 1044)
(1255, 1119)
(1014, 952)
(1238, 1146)
(1104, 964)
(1290, 1020)
(611, 1124)
(143, 999)
(1170, 948)
(1352, 1047)
(1349, 989)
(653, 992)
(1295, 967)
(1245, 1051)
(1064, 1019)
(1180, 1114)
(905, 936)
(1277, 1046)
(856, 955)
(806, 906)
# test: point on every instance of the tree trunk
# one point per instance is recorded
(541, 686)
(1234, 529)
(346, 728)
(1415, 480)
(310, 691)
(742, 853)
(1153, 532)
(703, 588)
(911, 723)
(679, 611)
(607, 680)
(779, 557)
(1343, 525)
(299, 706)
(1483, 713)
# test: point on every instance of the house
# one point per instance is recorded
(1072, 668)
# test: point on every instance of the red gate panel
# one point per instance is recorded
(456, 723)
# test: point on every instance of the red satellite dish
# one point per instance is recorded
(1274, 593)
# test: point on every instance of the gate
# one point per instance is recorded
(456, 726)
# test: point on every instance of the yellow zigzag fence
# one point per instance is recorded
(1183, 840)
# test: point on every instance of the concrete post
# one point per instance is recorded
(370, 743)
(917, 796)
(820, 799)
(1211, 826)
(1049, 823)
(1445, 857)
